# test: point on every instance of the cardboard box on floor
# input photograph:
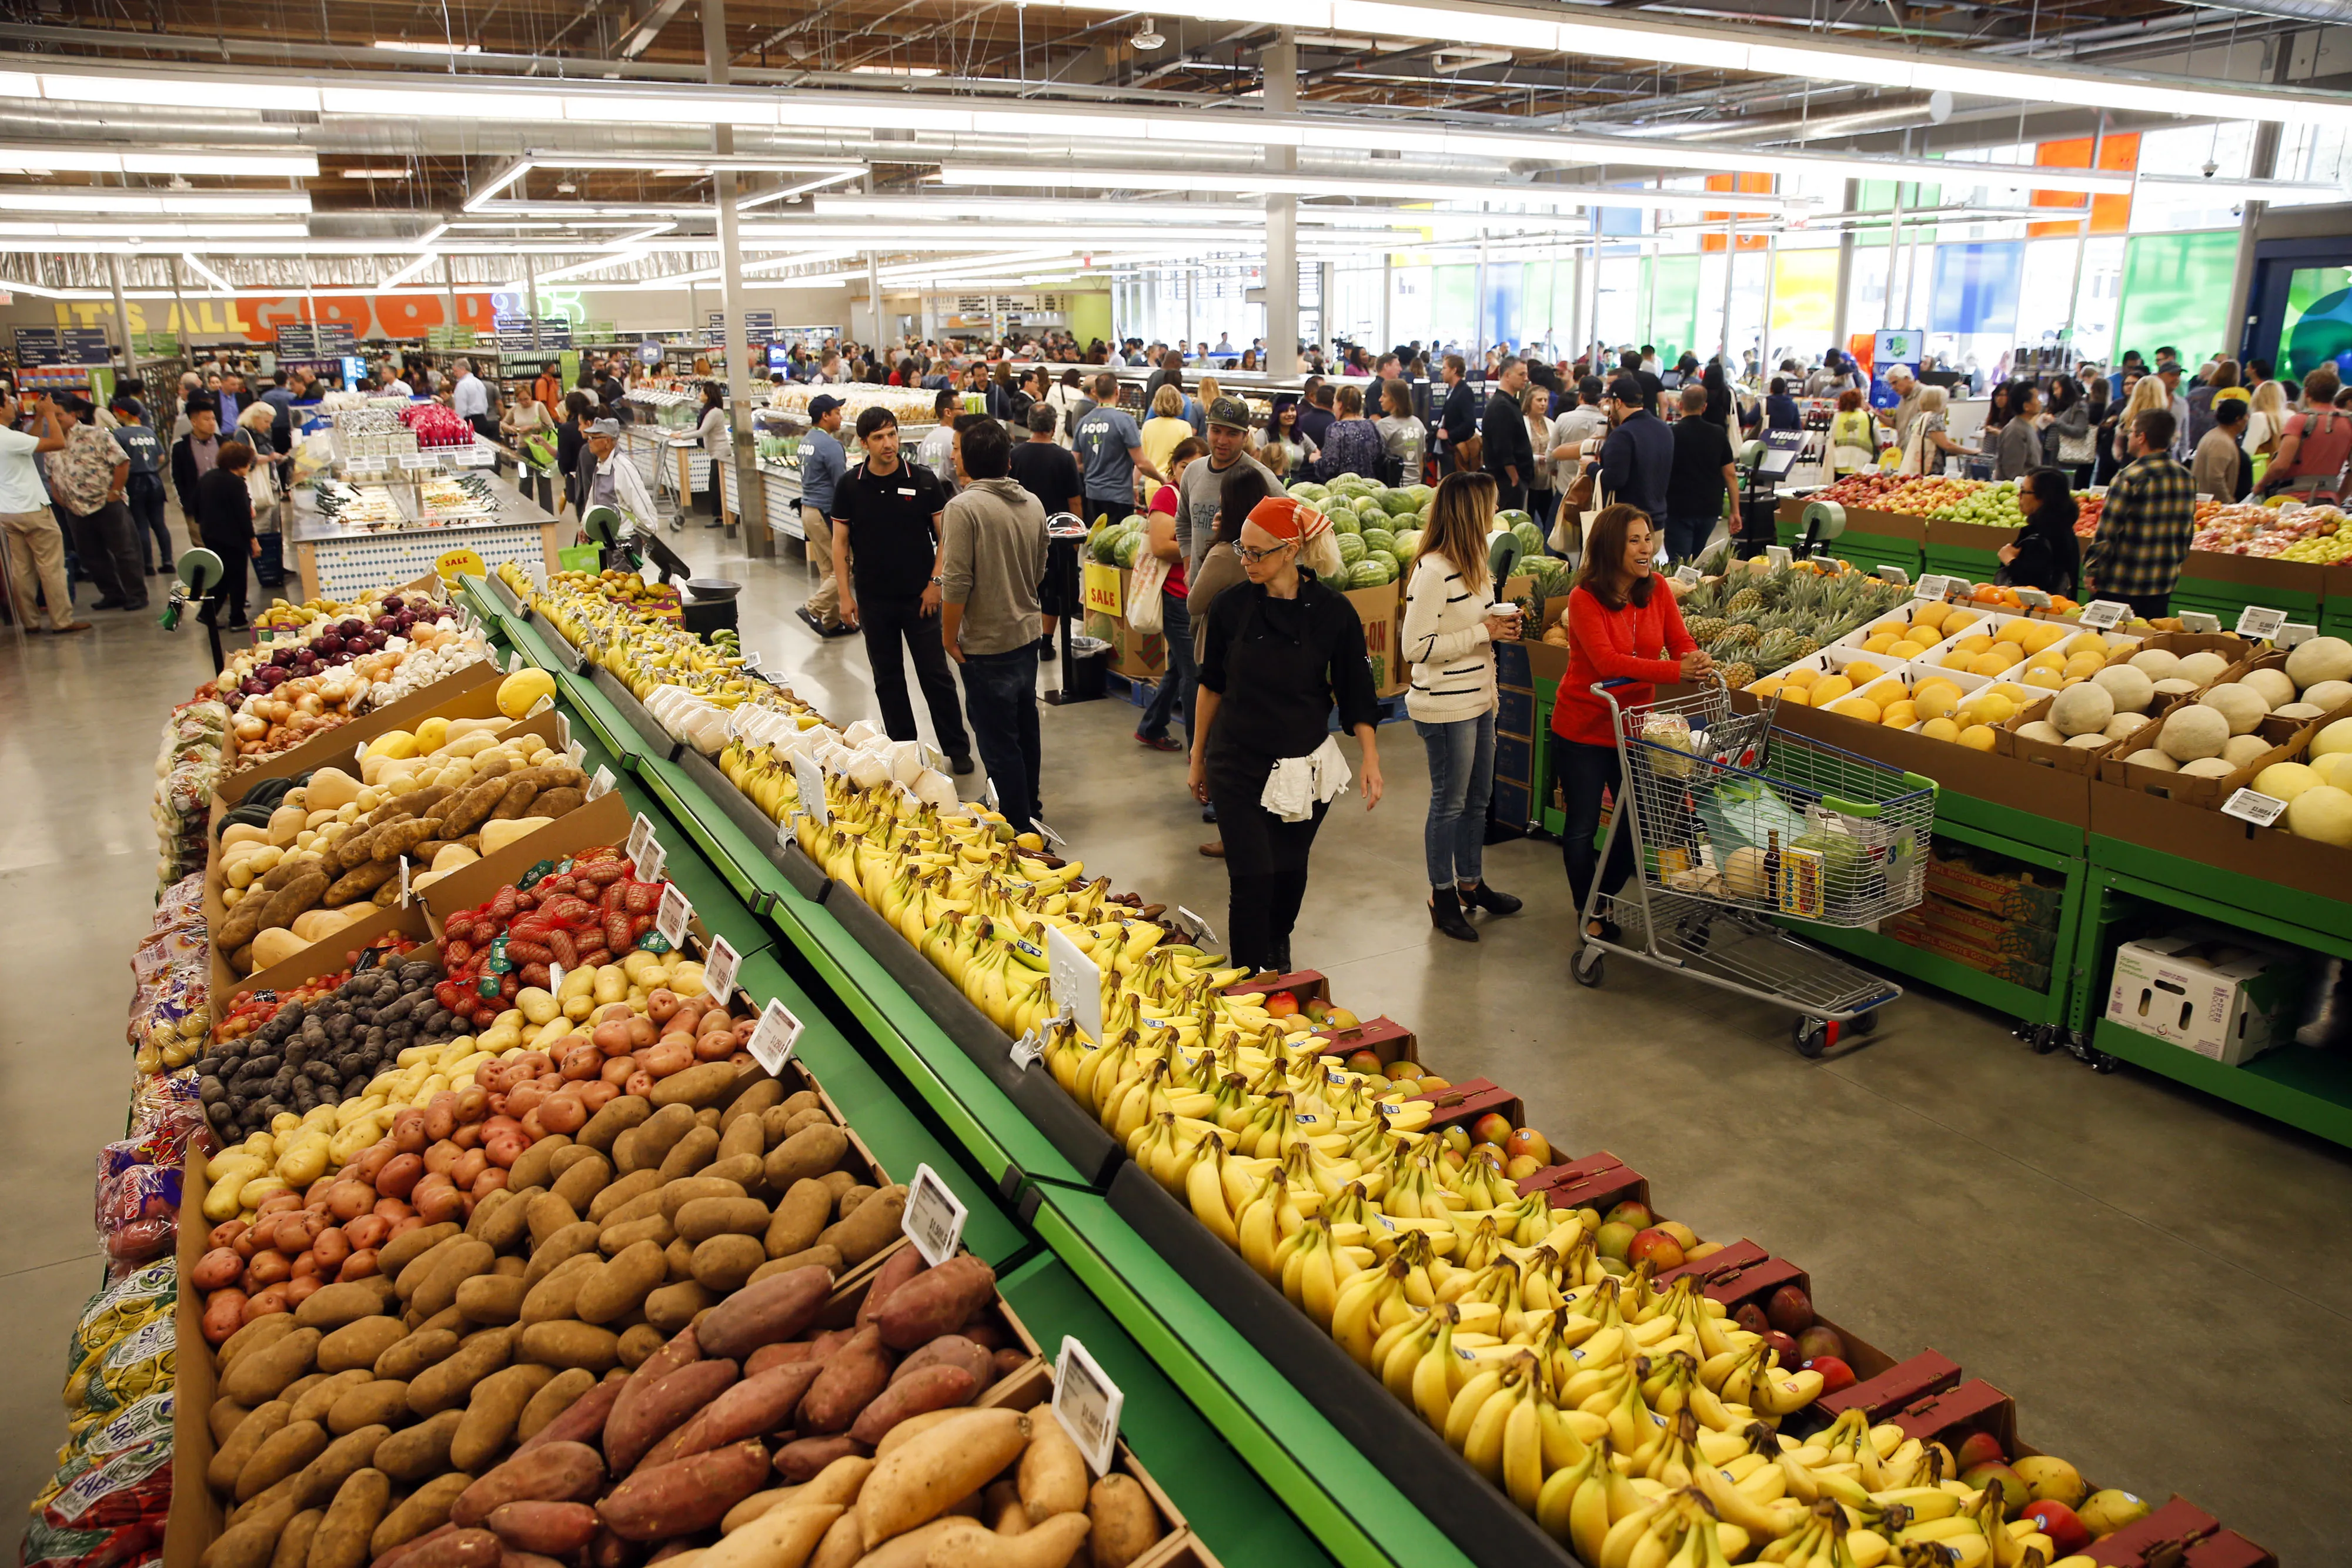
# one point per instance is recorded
(2224, 996)
(470, 693)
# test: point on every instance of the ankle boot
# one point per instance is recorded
(1445, 914)
(1487, 898)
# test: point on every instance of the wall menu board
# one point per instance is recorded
(63, 345)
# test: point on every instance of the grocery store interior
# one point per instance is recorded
(1969, 1049)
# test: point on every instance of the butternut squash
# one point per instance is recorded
(499, 833)
(331, 789)
(274, 947)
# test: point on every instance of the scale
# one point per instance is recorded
(199, 572)
(1065, 535)
(1764, 467)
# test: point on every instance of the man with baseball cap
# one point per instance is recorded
(1199, 492)
(1639, 453)
(88, 481)
(822, 463)
(614, 481)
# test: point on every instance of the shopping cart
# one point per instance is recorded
(1735, 822)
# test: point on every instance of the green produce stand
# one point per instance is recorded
(2133, 890)
(1866, 551)
(1958, 561)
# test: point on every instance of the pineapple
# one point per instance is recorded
(1739, 634)
(1707, 628)
(1744, 604)
(1737, 674)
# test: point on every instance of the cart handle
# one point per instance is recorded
(1869, 810)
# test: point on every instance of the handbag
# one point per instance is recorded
(2074, 451)
(1144, 587)
(1470, 453)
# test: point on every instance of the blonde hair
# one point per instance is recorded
(267, 416)
(1350, 400)
(1168, 403)
(1209, 391)
(1933, 400)
(2270, 397)
(1460, 516)
(2150, 393)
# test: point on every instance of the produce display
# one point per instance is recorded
(187, 766)
(2314, 533)
(356, 506)
(452, 496)
(435, 425)
(1945, 497)
(1753, 618)
(321, 666)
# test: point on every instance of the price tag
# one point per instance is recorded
(2197, 621)
(988, 794)
(2033, 599)
(576, 752)
(403, 882)
(544, 705)
(1087, 1403)
(414, 462)
(564, 731)
(475, 458)
(514, 661)
(719, 966)
(641, 833)
(934, 1217)
(1208, 932)
(750, 661)
(812, 782)
(2259, 624)
(772, 1039)
(602, 784)
(2102, 613)
(1075, 981)
(2295, 633)
(1778, 555)
(2262, 811)
(1047, 834)
(1895, 575)
(670, 918)
(1934, 587)
(555, 979)
(1687, 576)
(650, 863)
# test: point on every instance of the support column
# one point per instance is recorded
(1477, 357)
(1388, 291)
(1893, 243)
(449, 293)
(2261, 165)
(750, 500)
(1845, 270)
(531, 305)
(121, 314)
(873, 301)
(1280, 65)
(1764, 360)
(2083, 235)
(1730, 257)
(1326, 280)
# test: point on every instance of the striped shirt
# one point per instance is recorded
(1444, 638)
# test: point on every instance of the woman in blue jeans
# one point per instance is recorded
(1178, 683)
(1451, 625)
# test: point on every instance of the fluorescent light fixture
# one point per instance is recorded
(113, 202)
(426, 47)
(894, 70)
(375, 173)
(107, 161)
(786, 192)
(674, 173)
(427, 103)
(206, 273)
(160, 231)
(1241, 182)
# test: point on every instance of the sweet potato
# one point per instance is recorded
(900, 1266)
(775, 1309)
(580, 1421)
(935, 1301)
(553, 1473)
(1124, 1524)
(1052, 1473)
(874, 1226)
(805, 1458)
(553, 1529)
(825, 1258)
(458, 1548)
(645, 1417)
(419, 1451)
(551, 1398)
(760, 1405)
(780, 1538)
(679, 1499)
(938, 1386)
(916, 1481)
(1049, 1545)
(913, 1548)
(848, 1382)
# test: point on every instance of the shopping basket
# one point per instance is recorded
(1730, 822)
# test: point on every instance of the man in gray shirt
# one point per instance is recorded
(991, 560)
(2019, 452)
(823, 463)
(1198, 493)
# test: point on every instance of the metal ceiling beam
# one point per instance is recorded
(643, 35)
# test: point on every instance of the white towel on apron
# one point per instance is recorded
(1298, 784)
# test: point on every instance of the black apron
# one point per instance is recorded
(1257, 842)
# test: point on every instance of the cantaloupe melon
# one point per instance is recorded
(2323, 812)
(2124, 726)
(2083, 709)
(2192, 732)
(2271, 686)
(2156, 663)
(2238, 703)
(2329, 695)
(2337, 736)
(2241, 749)
(2285, 781)
(1978, 738)
(1940, 728)
(2316, 659)
(2043, 730)
(2202, 667)
(2085, 742)
(2128, 685)
(2206, 767)
(2174, 686)
(2150, 756)
(2302, 713)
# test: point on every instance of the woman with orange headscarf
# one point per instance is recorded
(1282, 650)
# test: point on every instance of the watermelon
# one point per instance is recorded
(1391, 562)
(1351, 547)
(1306, 491)
(1104, 545)
(1398, 504)
(1511, 517)
(1369, 574)
(1346, 523)
(1530, 537)
(1129, 547)
(1380, 539)
(1408, 544)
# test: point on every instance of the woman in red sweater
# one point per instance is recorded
(1622, 625)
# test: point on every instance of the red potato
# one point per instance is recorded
(743, 1029)
(500, 1124)
(269, 1268)
(532, 1126)
(670, 1055)
(263, 1303)
(217, 1270)
(306, 1265)
(473, 1104)
(641, 1031)
(468, 1136)
(298, 1289)
(504, 1149)
(640, 1083)
(583, 1063)
(358, 1266)
(617, 1069)
(564, 1113)
(534, 1061)
(468, 1164)
(371, 1161)
(331, 1248)
(367, 1232)
(611, 1039)
(408, 1133)
(549, 1078)
(492, 1178)
(523, 1099)
(438, 1200)
(347, 1200)
(441, 1116)
(613, 1012)
(440, 1160)
(394, 1210)
(661, 1004)
(224, 1314)
(400, 1176)
(277, 1202)
(225, 1233)
(404, 1225)
(597, 1095)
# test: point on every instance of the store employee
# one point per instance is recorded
(885, 558)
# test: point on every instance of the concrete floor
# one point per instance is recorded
(2085, 1242)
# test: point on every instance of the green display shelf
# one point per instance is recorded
(2336, 617)
(2211, 596)
(1864, 550)
(743, 863)
(1972, 812)
(1955, 560)
(1241, 1521)
(2311, 1090)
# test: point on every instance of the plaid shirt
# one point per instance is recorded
(2145, 530)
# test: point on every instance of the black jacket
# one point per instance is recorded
(1504, 428)
(184, 472)
(2045, 562)
(223, 511)
(1457, 419)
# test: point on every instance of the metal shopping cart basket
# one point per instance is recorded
(1730, 822)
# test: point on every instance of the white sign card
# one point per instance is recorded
(773, 1037)
(670, 918)
(1934, 587)
(2262, 811)
(403, 882)
(2259, 624)
(2033, 598)
(2101, 613)
(649, 865)
(2197, 621)
(576, 752)
(934, 1217)
(1895, 575)
(812, 783)
(1087, 1403)
(641, 833)
(602, 784)
(415, 461)
(1686, 576)
(544, 705)
(2295, 633)
(1208, 932)
(514, 660)
(719, 966)
(1778, 555)
(555, 979)
(1076, 981)
(1047, 834)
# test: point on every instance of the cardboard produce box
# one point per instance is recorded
(471, 693)
(2224, 996)
(1382, 609)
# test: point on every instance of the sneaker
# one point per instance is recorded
(1214, 849)
(241, 624)
(134, 607)
(1209, 812)
(960, 766)
(1157, 742)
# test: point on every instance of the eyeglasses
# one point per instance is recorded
(1252, 557)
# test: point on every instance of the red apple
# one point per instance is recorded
(2067, 1534)
(1636, 1214)
(1657, 1249)
(1494, 1127)
(1790, 1310)
(1980, 1448)
(1818, 1342)
(1751, 1317)
(1782, 1346)
(1835, 1372)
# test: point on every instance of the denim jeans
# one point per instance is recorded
(1000, 697)
(1584, 772)
(1461, 781)
(144, 496)
(1686, 536)
(1181, 678)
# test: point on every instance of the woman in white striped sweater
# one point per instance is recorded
(1451, 625)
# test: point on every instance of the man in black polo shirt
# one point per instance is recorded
(886, 557)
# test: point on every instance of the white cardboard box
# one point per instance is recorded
(2217, 993)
